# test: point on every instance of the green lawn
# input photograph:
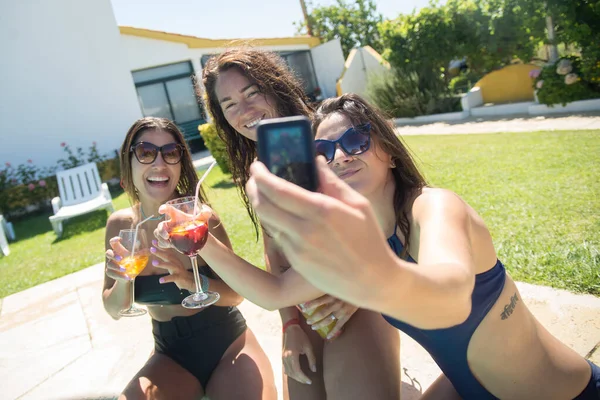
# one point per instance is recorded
(538, 192)
(37, 256)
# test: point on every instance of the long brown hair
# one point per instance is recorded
(407, 176)
(275, 80)
(188, 177)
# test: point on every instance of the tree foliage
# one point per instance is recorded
(488, 34)
(353, 22)
(578, 22)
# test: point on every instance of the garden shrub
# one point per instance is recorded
(403, 95)
(215, 145)
(564, 82)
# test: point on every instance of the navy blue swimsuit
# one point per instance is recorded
(448, 346)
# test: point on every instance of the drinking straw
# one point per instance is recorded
(198, 187)
(136, 233)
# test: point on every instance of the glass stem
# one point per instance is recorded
(196, 274)
(132, 293)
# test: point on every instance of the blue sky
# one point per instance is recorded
(231, 18)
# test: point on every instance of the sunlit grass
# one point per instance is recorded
(538, 192)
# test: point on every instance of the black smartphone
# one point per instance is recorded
(287, 147)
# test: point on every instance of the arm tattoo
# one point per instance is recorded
(510, 307)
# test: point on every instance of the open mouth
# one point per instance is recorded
(252, 124)
(158, 181)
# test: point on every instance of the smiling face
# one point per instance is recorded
(366, 172)
(242, 103)
(158, 180)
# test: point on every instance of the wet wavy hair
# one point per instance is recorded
(275, 80)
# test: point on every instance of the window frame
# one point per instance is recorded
(164, 81)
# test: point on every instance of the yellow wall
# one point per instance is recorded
(196, 42)
(510, 84)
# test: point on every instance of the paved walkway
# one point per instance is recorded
(58, 342)
(202, 159)
(525, 123)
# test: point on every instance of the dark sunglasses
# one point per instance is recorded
(354, 141)
(146, 152)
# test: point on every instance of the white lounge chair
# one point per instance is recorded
(81, 192)
(5, 229)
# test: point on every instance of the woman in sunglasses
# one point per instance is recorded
(244, 86)
(436, 277)
(197, 352)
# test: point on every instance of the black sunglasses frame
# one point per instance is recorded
(365, 129)
(157, 149)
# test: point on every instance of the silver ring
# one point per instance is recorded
(333, 317)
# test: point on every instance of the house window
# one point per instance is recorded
(168, 92)
(301, 63)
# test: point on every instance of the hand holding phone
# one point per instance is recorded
(286, 147)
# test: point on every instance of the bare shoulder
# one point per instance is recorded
(120, 218)
(438, 200)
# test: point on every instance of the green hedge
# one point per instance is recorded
(463, 83)
(564, 82)
(215, 145)
(402, 95)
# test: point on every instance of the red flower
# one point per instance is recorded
(30, 161)
(7, 164)
(42, 183)
(94, 143)
(63, 144)
(31, 186)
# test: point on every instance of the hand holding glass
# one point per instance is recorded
(188, 232)
(134, 263)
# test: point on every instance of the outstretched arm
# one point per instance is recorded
(269, 291)
(334, 240)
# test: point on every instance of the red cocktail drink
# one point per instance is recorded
(189, 237)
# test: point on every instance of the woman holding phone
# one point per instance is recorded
(244, 86)
(379, 236)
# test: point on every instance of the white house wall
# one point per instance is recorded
(328, 60)
(143, 53)
(360, 66)
(63, 79)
